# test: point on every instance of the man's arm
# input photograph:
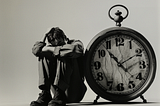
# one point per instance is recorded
(37, 48)
(40, 49)
(73, 50)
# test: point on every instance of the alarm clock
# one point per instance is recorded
(120, 64)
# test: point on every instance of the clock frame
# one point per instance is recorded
(102, 89)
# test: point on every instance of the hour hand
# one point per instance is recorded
(112, 56)
(118, 63)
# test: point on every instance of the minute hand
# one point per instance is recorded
(129, 58)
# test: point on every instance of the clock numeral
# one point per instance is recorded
(120, 87)
(131, 84)
(119, 41)
(100, 76)
(109, 84)
(139, 52)
(101, 53)
(139, 76)
(97, 65)
(108, 44)
(142, 64)
(130, 44)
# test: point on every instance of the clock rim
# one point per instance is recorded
(140, 91)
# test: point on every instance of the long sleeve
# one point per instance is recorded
(38, 52)
(71, 50)
(37, 48)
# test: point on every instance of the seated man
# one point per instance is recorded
(60, 69)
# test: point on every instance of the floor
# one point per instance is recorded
(113, 104)
(100, 104)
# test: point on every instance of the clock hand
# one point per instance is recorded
(132, 65)
(118, 63)
(112, 56)
(129, 58)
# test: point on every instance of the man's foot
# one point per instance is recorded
(59, 98)
(43, 99)
(56, 103)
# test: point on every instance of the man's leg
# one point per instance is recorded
(61, 82)
(46, 77)
(47, 72)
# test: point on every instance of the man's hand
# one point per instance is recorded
(43, 39)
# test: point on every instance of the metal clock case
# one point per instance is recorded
(120, 64)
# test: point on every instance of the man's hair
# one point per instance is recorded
(56, 33)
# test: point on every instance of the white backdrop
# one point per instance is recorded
(23, 22)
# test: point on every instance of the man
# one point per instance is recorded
(60, 69)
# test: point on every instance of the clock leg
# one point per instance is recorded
(144, 100)
(95, 101)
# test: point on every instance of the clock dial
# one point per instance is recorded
(120, 64)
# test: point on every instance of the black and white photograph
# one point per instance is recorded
(79, 52)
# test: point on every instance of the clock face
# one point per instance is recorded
(120, 64)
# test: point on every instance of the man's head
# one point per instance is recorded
(56, 37)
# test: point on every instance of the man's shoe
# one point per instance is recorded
(59, 98)
(43, 99)
(56, 103)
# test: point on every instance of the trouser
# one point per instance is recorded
(54, 72)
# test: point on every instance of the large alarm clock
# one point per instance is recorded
(120, 64)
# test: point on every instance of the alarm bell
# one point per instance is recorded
(118, 18)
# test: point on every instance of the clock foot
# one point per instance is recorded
(144, 100)
(95, 101)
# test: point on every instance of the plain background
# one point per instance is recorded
(23, 22)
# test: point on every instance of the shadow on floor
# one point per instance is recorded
(105, 103)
